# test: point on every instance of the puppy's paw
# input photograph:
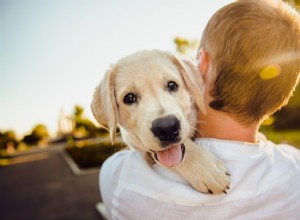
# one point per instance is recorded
(205, 172)
(213, 177)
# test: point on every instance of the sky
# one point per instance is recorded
(53, 53)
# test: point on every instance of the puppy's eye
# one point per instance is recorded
(172, 86)
(129, 99)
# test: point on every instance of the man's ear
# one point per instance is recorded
(192, 79)
(104, 106)
(203, 62)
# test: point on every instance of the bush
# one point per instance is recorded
(7, 139)
(38, 134)
(92, 155)
(287, 119)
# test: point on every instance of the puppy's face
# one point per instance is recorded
(153, 103)
(150, 95)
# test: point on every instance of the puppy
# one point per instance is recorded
(153, 97)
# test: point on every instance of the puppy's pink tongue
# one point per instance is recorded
(171, 156)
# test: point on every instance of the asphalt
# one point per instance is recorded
(42, 186)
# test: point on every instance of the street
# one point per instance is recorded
(42, 186)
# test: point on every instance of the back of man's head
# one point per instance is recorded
(254, 48)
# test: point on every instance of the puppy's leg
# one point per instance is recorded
(203, 170)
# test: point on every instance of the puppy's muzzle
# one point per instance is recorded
(166, 129)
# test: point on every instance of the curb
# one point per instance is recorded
(102, 210)
(74, 168)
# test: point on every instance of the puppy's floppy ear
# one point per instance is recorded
(192, 79)
(104, 106)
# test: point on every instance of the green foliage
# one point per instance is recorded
(8, 138)
(295, 3)
(84, 126)
(291, 137)
(185, 46)
(289, 116)
(295, 99)
(92, 155)
(78, 112)
(287, 119)
(38, 134)
(40, 131)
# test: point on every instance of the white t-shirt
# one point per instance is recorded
(265, 184)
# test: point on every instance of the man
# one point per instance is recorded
(249, 59)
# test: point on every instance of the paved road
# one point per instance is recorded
(45, 188)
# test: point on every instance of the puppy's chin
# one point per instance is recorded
(171, 156)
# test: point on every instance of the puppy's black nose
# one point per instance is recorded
(166, 129)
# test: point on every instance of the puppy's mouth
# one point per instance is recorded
(171, 156)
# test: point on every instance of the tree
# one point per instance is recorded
(78, 112)
(84, 126)
(38, 134)
(295, 3)
(186, 47)
(8, 139)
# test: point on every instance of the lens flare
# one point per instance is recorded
(270, 72)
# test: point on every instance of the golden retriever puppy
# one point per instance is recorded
(153, 97)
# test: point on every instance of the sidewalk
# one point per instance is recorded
(44, 187)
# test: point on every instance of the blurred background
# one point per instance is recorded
(53, 53)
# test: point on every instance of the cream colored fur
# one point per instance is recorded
(146, 74)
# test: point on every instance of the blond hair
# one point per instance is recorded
(242, 39)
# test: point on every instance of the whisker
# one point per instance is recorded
(197, 121)
(197, 130)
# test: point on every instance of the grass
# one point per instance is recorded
(291, 137)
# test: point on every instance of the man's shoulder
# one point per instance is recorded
(287, 152)
(118, 157)
(116, 162)
(287, 148)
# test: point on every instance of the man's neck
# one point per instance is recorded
(217, 124)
